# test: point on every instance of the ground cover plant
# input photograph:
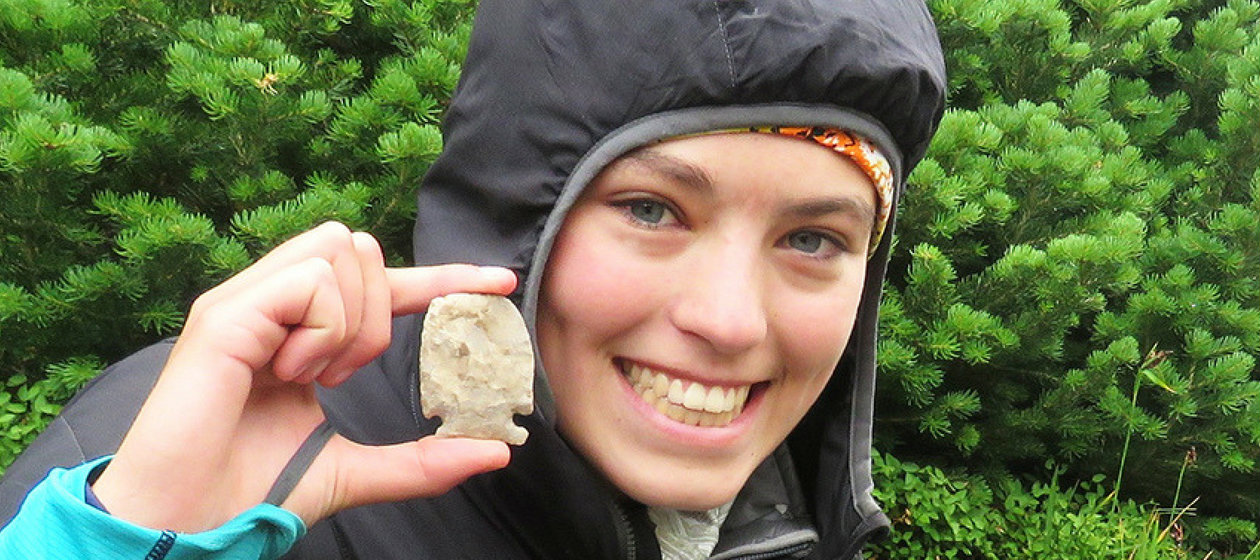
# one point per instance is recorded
(1075, 289)
(937, 514)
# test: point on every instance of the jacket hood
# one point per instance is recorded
(553, 91)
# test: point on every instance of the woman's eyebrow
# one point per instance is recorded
(688, 174)
(679, 170)
(838, 205)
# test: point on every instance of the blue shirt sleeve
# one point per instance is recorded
(55, 521)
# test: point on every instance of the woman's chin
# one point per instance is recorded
(691, 492)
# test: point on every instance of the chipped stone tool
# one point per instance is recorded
(476, 367)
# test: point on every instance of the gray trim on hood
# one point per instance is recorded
(671, 124)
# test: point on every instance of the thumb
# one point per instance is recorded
(368, 474)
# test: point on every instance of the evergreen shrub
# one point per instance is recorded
(151, 148)
(1078, 260)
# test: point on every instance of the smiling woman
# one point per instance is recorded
(691, 209)
(696, 303)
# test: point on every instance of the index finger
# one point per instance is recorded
(411, 289)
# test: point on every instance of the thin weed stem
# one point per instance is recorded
(1253, 552)
(1128, 436)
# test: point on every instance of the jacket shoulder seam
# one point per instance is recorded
(726, 42)
(74, 437)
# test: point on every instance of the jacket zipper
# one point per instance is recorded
(787, 552)
(625, 527)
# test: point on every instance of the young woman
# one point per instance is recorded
(694, 195)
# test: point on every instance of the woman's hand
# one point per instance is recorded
(236, 397)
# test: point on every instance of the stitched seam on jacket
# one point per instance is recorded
(726, 44)
(73, 437)
(343, 544)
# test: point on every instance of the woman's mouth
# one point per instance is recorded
(684, 401)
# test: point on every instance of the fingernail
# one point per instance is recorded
(312, 370)
(334, 379)
(498, 273)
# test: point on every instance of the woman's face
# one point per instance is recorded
(695, 304)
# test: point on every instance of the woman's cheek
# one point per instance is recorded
(813, 328)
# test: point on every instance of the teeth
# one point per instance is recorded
(649, 396)
(644, 377)
(663, 406)
(715, 401)
(691, 417)
(687, 402)
(661, 384)
(676, 392)
(694, 399)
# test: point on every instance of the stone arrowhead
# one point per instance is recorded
(476, 367)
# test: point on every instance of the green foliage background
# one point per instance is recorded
(1079, 257)
(942, 515)
(1075, 290)
(148, 149)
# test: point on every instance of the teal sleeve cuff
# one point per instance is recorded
(55, 521)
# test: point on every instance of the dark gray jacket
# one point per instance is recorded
(551, 92)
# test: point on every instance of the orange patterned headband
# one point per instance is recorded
(862, 153)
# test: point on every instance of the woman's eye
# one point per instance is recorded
(649, 212)
(813, 243)
(805, 241)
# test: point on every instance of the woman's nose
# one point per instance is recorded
(720, 299)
